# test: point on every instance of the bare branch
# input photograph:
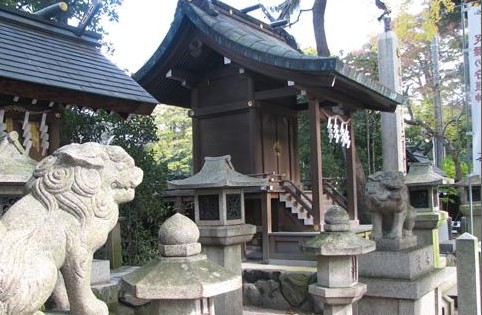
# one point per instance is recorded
(298, 17)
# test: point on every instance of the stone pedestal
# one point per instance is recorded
(222, 245)
(427, 230)
(402, 282)
(476, 218)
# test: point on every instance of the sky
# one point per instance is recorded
(349, 24)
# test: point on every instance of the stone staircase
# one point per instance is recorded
(296, 208)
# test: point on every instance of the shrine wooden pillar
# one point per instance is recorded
(316, 164)
(351, 177)
(267, 226)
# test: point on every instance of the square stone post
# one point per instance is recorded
(468, 274)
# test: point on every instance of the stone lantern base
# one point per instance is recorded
(222, 245)
(426, 229)
(403, 282)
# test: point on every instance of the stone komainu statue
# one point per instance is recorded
(392, 215)
(71, 206)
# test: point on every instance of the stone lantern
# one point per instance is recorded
(422, 183)
(218, 192)
(16, 167)
(336, 252)
(181, 281)
(219, 213)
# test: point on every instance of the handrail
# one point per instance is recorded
(338, 198)
(297, 193)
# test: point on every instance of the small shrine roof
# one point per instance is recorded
(424, 174)
(217, 172)
(45, 61)
(253, 44)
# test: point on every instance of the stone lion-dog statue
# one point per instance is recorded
(392, 215)
(71, 205)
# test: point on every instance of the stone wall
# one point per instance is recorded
(277, 289)
(274, 289)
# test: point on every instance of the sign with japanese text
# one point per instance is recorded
(474, 41)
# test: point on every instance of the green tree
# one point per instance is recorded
(416, 33)
(75, 12)
(175, 145)
(143, 215)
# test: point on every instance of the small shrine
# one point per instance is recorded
(244, 83)
(46, 66)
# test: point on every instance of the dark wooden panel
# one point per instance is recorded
(227, 134)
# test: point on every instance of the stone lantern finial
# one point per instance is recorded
(178, 237)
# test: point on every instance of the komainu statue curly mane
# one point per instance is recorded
(71, 206)
(393, 217)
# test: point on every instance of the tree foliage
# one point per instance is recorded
(416, 32)
(175, 147)
(143, 215)
(76, 11)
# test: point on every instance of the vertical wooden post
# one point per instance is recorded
(351, 177)
(316, 165)
(113, 246)
(54, 132)
(266, 223)
(197, 161)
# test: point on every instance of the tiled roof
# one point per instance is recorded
(38, 52)
(251, 42)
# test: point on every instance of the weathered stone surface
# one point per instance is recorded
(392, 216)
(253, 275)
(294, 286)
(271, 295)
(71, 206)
(251, 295)
(100, 272)
(109, 294)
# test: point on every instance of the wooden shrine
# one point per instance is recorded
(244, 82)
(45, 66)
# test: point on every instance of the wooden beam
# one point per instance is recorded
(66, 96)
(351, 177)
(276, 93)
(186, 78)
(316, 166)
(222, 109)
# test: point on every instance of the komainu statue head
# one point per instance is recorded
(71, 206)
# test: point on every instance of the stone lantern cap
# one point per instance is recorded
(180, 272)
(16, 167)
(337, 240)
(217, 172)
(422, 174)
